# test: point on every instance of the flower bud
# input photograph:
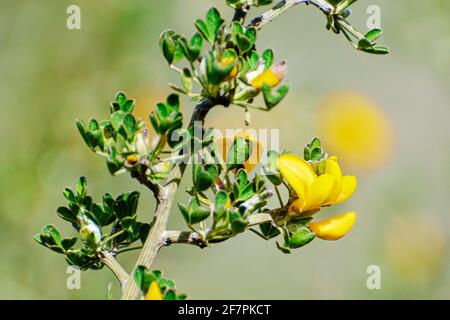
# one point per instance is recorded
(141, 145)
(91, 234)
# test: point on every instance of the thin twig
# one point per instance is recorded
(283, 6)
(183, 237)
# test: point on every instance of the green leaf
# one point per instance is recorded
(364, 44)
(129, 123)
(269, 230)
(186, 80)
(377, 49)
(244, 39)
(191, 50)
(272, 98)
(373, 34)
(120, 98)
(198, 215)
(103, 217)
(268, 58)
(210, 27)
(239, 153)
(81, 188)
(70, 196)
(128, 106)
(51, 235)
(184, 212)
(170, 295)
(86, 135)
(139, 276)
(170, 47)
(300, 238)
(68, 243)
(203, 29)
(203, 180)
(214, 22)
(117, 119)
(219, 204)
(66, 214)
(271, 169)
(120, 208)
(253, 60)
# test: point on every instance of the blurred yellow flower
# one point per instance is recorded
(224, 144)
(415, 248)
(356, 129)
(154, 292)
(316, 190)
(145, 102)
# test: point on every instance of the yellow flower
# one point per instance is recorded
(224, 144)
(271, 77)
(315, 191)
(356, 129)
(334, 228)
(154, 292)
(416, 248)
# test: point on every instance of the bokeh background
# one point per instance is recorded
(386, 118)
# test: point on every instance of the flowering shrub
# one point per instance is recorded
(232, 178)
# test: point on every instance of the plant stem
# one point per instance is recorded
(280, 199)
(283, 6)
(165, 199)
(184, 237)
(240, 14)
(108, 259)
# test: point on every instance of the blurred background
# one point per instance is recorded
(385, 117)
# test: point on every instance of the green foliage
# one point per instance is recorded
(110, 226)
(218, 64)
(272, 97)
(295, 236)
(232, 195)
(209, 28)
(314, 152)
(144, 278)
(336, 21)
(167, 116)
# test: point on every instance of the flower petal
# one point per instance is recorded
(333, 168)
(297, 172)
(154, 292)
(348, 186)
(319, 192)
(267, 77)
(334, 228)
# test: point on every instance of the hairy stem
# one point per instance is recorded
(108, 259)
